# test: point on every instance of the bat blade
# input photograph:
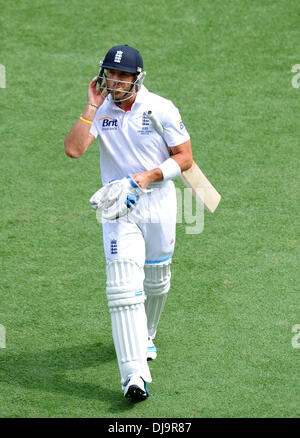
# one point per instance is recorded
(202, 189)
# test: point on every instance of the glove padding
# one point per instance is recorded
(117, 198)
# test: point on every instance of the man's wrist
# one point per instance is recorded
(89, 112)
(155, 175)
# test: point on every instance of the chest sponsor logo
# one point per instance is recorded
(108, 123)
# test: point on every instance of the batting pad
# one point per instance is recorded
(124, 290)
(156, 286)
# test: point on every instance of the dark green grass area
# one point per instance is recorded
(224, 342)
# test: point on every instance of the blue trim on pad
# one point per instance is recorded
(156, 261)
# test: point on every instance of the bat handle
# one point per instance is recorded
(155, 122)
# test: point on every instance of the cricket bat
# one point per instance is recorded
(203, 191)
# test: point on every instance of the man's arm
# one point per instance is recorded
(79, 138)
(183, 156)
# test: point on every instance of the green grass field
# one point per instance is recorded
(225, 338)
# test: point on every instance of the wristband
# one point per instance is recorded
(85, 120)
(170, 169)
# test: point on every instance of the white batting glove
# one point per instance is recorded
(117, 198)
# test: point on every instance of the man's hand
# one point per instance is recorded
(96, 96)
(79, 138)
(117, 198)
(148, 177)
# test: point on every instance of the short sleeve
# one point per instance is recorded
(94, 130)
(175, 132)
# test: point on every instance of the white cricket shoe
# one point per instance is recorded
(136, 388)
(151, 350)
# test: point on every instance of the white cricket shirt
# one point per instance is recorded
(128, 142)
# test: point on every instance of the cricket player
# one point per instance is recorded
(138, 246)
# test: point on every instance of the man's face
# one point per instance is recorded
(119, 83)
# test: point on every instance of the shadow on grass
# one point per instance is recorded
(44, 371)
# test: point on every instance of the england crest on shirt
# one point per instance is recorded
(146, 125)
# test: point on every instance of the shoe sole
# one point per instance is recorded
(151, 358)
(136, 393)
